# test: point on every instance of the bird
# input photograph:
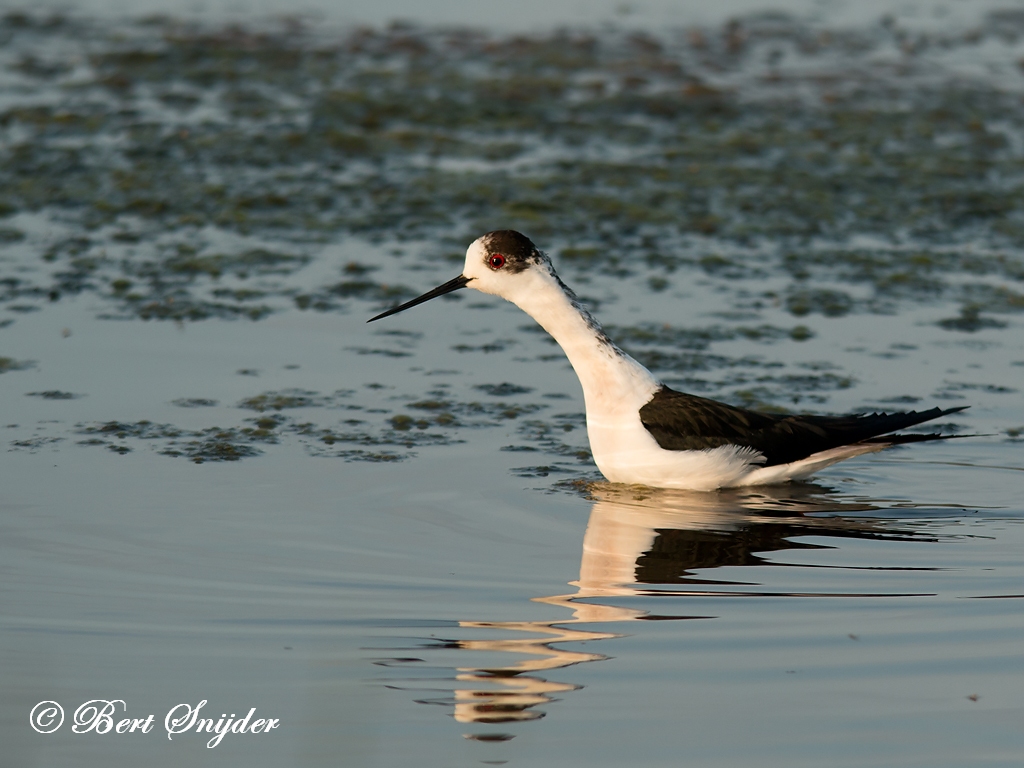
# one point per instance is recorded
(643, 432)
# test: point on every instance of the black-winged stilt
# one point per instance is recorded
(644, 432)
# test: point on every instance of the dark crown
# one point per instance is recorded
(518, 250)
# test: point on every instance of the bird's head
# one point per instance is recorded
(503, 263)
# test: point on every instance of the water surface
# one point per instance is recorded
(220, 484)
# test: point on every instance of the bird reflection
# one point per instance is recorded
(643, 542)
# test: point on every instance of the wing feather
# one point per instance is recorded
(682, 422)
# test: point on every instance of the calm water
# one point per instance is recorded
(220, 484)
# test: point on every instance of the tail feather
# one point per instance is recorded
(888, 440)
(934, 413)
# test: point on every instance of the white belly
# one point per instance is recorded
(625, 452)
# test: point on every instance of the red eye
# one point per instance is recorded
(497, 261)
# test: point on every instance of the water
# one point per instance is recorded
(219, 484)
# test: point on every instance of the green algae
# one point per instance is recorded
(661, 161)
(8, 364)
(970, 320)
(505, 389)
(697, 159)
(652, 334)
(140, 430)
(828, 303)
(211, 444)
(377, 435)
(277, 401)
(216, 448)
(34, 444)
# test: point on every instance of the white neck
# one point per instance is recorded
(614, 384)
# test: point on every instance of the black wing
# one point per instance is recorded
(681, 422)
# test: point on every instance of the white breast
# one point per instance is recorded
(615, 388)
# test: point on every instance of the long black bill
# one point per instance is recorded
(441, 290)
